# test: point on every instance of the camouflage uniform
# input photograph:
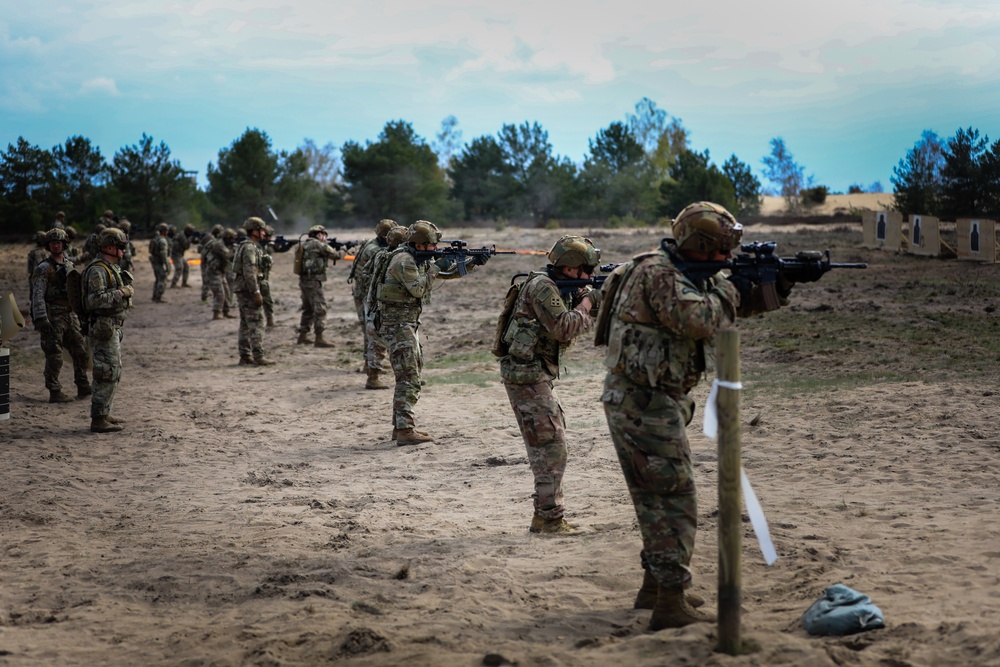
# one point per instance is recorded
(203, 244)
(126, 262)
(71, 251)
(542, 324)
(218, 256)
(107, 309)
(159, 257)
(266, 264)
(316, 254)
(361, 275)
(59, 327)
(178, 246)
(36, 256)
(247, 271)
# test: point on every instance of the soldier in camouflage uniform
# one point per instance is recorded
(232, 240)
(159, 257)
(107, 298)
(202, 252)
(359, 279)
(71, 251)
(660, 330)
(179, 244)
(60, 222)
(126, 263)
(316, 254)
(247, 269)
(56, 322)
(542, 324)
(396, 298)
(266, 264)
(218, 257)
(36, 256)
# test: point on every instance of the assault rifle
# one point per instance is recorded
(282, 244)
(458, 251)
(568, 286)
(758, 264)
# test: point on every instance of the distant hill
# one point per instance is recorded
(834, 204)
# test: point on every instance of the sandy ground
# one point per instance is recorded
(873, 201)
(263, 517)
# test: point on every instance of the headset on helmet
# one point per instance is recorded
(424, 231)
(706, 227)
(574, 251)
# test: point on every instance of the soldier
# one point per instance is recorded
(179, 245)
(659, 325)
(316, 254)
(396, 297)
(359, 279)
(36, 256)
(266, 264)
(56, 322)
(219, 256)
(159, 257)
(107, 298)
(60, 222)
(543, 324)
(202, 252)
(71, 251)
(126, 263)
(247, 267)
(231, 238)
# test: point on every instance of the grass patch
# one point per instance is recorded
(474, 378)
(478, 356)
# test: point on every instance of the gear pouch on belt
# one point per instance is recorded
(521, 338)
(102, 329)
(513, 371)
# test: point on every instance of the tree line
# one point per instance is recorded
(956, 178)
(638, 171)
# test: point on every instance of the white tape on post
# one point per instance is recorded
(757, 520)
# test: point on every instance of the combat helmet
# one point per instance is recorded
(252, 223)
(125, 225)
(574, 251)
(188, 229)
(397, 236)
(71, 232)
(111, 236)
(706, 227)
(424, 231)
(229, 234)
(162, 227)
(316, 230)
(56, 234)
(40, 238)
(217, 230)
(383, 227)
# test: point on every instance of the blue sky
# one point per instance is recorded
(849, 85)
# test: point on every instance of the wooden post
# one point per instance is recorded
(730, 499)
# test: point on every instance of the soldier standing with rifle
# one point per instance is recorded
(247, 271)
(178, 246)
(159, 258)
(107, 298)
(316, 255)
(541, 324)
(659, 325)
(360, 279)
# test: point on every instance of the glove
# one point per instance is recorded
(258, 299)
(593, 294)
(479, 260)
(127, 291)
(743, 285)
(43, 325)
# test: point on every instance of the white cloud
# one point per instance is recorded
(99, 86)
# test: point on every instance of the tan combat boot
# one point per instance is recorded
(270, 322)
(103, 425)
(304, 338)
(228, 315)
(263, 361)
(216, 315)
(374, 380)
(411, 436)
(646, 597)
(57, 396)
(320, 341)
(246, 361)
(83, 392)
(115, 420)
(542, 526)
(673, 611)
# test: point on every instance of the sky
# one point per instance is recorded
(849, 85)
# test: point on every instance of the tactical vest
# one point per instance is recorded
(394, 292)
(115, 281)
(648, 354)
(55, 283)
(314, 259)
